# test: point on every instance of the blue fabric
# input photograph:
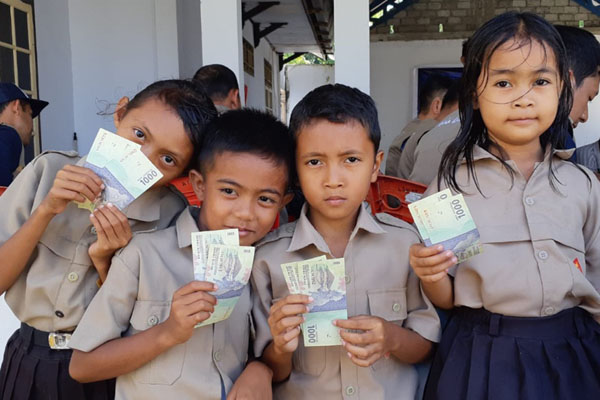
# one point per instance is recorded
(491, 356)
(570, 144)
(10, 152)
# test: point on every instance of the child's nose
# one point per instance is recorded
(334, 178)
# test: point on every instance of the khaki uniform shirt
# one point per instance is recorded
(395, 151)
(590, 156)
(427, 154)
(59, 280)
(535, 239)
(137, 295)
(379, 282)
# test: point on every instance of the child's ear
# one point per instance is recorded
(197, 182)
(120, 111)
(376, 165)
(286, 199)
(436, 106)
(572, 79)
(234, 99)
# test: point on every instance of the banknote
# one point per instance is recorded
(125, 171)
(445, 219)
(229, 268)
(292, 275)
(201, 242)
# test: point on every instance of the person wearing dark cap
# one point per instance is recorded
(17, 111)
(221, 85)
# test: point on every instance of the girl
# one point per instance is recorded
(523, 322)
(53, 252)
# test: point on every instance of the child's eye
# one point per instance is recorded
(139, 134)
(228, 191)
(314, 162)
(265, 199)
(168, 160)
(352, 160)
(503, 84)
(542, 82)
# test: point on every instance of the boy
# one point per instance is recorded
(221, 85)
(391, 324)
(241, 176)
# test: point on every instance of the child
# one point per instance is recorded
(242, 177)
(522, 324)
(391, 324)
(53, 252)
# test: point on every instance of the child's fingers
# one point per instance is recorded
(199, 306)
(358, 339)
(290, 299)
(363, 324)
(113, 223)
(291, 334)
(284, 324)
(194, 286)
(84, 171)
(121, 224)
(75, 187)
(419, 250)
(86, 178)
(106, 225)
(286, 310)
(435, 277)
(201, 316)
(193, 297)
(362, 352)
(367, 362)
(433, 261)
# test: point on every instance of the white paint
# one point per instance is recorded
(301, 79)
(117, 49)
(351, 32)
(222, 36)
(55, 81)
(392, 84)
(189, 34)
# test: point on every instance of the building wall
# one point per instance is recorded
(300, 79)
(189, 34)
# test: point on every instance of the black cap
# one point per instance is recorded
(10, 92)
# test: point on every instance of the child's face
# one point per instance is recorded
(243, 191)
(518, 94)
(336, 163)
(160, 132)
(582, 95)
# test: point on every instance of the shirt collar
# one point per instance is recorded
(186, 224)
(305, 233)
(479, 153)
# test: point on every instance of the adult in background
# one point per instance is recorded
(17, 111)
(430, 106)
(221, 85)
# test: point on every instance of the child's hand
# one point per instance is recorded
(114, 232)
(368, 346)
(253, 383)
(191, 305)
(431, 263)
(284, 322)
(72, 183)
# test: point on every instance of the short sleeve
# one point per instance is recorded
(591, 234)
(109, 313)
(422, 316)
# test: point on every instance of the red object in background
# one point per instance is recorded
(246, 94)
(391, 186)
(2, 189)
(185, 187)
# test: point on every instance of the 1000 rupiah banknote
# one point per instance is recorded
(229, 267)
(201, 242)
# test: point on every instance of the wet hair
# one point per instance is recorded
(247, 131)
(451, 96)
(583, 52)
(189, 102)
(525, 28)
(339, 104)
(217, 80)
(436, 85)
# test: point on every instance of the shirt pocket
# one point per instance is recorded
(390, 305)
(309, 360)
(168, 366)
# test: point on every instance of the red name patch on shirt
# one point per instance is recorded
(577, 265)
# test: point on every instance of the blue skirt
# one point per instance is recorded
(491, 356)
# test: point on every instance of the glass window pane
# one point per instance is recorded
(21, 31)
(24, 71)
(7, 68)
(5, 26)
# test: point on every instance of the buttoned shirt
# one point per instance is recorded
(541, 247)
(379, 282)
(137, 295)
(427, 154)
(416, 126)
(59, 280)
(590, 156)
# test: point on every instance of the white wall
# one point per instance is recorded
(301, 79)
(392, 67)
(189, 32)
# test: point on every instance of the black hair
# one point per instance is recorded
(338, 104)
(186, 99)
(525, 28)
(451, 96)
(436, 85)
(247, 131)
(583, 52)
(217, 80)
(6, 103)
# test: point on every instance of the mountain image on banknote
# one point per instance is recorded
(324, 281)
(229, 267)
(445, 219)
(201, 242)
(125, 171)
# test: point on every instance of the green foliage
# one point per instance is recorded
(308, 58)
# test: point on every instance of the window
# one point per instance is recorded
(17, 55)
(248, 58)
(268, 87)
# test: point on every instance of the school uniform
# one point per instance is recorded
(59, 281)
(524, 324)
(427, 154)
(379, 282)
(589, 156)
(415, 126)
(137, 295)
